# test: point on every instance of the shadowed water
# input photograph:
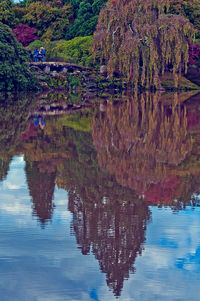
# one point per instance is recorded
(103, 203)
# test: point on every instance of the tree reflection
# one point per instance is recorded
(41, 187)
(145, 144)
(113, 231)
(13, 121)
(140, 151)
(4, 167)
(108, 219)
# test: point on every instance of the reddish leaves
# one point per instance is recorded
(194, 53)
(25, 34)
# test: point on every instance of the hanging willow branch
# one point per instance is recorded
(139, 39)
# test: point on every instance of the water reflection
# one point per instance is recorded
(41, 187)
(113, 163)
(149, 147)
(114, 232)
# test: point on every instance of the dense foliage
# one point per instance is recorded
(194, 53)
(148, 146)
(86, 16)
(51, 21)
(194, 63)
(140, 40)
(76, 50)
(189, 9)
(14, 69)
(25, 34)
(36, 44)
(7, 15)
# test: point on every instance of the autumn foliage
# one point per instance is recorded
(140, 40)
(25, 34)
(194, 53)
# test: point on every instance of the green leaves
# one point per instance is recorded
(14, 70)
(189, 9)
(51, 22)
(86, 13)
(77, 49)
(7, 15)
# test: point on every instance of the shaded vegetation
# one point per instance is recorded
(14, 69)
(86, 16)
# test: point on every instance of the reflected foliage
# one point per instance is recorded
(146, 144)
(4, 167)
(41, 187)
(113, 231)
(13, 121)
(113, 164)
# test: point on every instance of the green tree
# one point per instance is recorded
(51, 21)
(138, 39)
(7, 15)
(14, 70)
(189, 9)
(19, 12)
(86, 17)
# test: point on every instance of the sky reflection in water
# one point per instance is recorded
(58, 249)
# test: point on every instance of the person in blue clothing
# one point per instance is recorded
(30, 54)
(43, 53)
(39, 121)
(35, 55)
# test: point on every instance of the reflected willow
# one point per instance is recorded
(142, 140)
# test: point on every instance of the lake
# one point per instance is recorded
(101, 204)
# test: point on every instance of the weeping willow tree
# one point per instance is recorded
(140, 40)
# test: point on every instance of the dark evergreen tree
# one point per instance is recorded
(86, 15)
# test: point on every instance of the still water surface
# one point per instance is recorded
(101, 204)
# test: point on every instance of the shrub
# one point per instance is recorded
(36, 44)
(14, 69)
(76, 50)
(25, 34)
(194, 53)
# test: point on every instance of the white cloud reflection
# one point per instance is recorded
(46, 265)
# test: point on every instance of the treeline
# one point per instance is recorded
(68, 30)
(53, 20)
(51, 23)
(67, 19)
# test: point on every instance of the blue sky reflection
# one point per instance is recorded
(46, 264)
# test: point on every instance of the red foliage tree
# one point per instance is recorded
(194, 63)
(163, 192)
(194, 53)
(25, 34)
